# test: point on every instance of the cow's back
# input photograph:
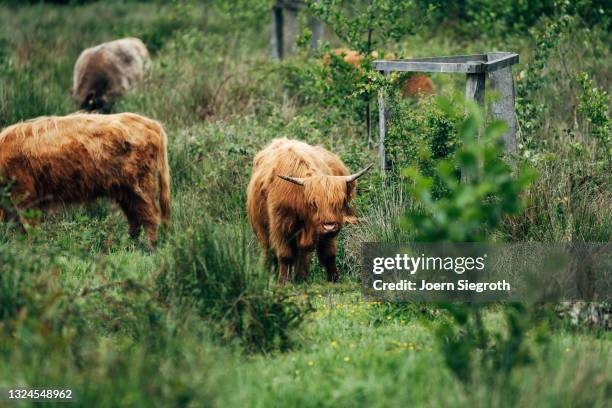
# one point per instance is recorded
(296, 159)
(113, 67)
(81, 156)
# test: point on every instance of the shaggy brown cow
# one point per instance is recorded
(352, 57)
(80, 157)
(416, 85)
(297, 201)
(105, 72)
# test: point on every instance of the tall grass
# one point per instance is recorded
(213, 270)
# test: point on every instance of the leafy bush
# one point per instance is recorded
(332, 86)
(420, 134)
(366, 25)
(500, 18)
(595, 106)
(533, 78)
(215, 272)
(470, 211)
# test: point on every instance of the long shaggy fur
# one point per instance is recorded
(105, 72)
(81, 157)
(286, 217)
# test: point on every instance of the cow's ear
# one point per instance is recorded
(350, 219)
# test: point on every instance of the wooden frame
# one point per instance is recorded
(496, 66)
(284, 26)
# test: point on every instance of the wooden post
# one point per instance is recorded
(475, 91)
(382, 127)
(503, 108)
(316, 26)
(277, 31)
(475, 88)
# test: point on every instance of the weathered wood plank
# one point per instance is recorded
(475, 91)
(453, 58)
(461, 63)
(408, 66)
(277, 40)
(475, 88)
(492, 56)
(503, 108)
(316, 26)
(501, 63)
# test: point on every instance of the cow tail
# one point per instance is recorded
(164, 182)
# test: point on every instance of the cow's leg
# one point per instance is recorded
(302, 264)
(141, 211)
(270, 260)
(132, 217)
(285, 269)
(280, 233)
(326, 252)
(149, 217)
(27, 213)
(25, 206)
(286, 260)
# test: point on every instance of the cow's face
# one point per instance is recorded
(95, 101)
(328, 199)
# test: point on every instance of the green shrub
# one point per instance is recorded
(534, 76)
(331, 88)
(470, 211)
(499, 18)
(420, 134)
(595, 105)
(366, 25)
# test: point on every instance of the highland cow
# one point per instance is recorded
(78, 158)
(416, 85)
(107, 71)
(297, 201)
(351, 57)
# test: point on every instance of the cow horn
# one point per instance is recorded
(360, 173)
(294, 180)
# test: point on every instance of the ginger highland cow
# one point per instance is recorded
(297, 201)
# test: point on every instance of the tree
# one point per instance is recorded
(366, 25)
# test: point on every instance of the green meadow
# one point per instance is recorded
(199, 321)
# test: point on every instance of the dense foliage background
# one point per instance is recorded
(198, 322)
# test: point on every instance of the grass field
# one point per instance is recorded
(196, 322)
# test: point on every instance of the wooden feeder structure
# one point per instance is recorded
(496, 66)
(285, 26)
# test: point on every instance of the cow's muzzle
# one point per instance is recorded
(330, 227)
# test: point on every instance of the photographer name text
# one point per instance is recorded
(423, 285)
